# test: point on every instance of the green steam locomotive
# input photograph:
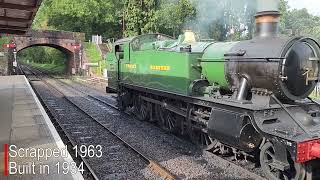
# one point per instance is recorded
(247, 98)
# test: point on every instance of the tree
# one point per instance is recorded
(89, 16)
(219, 20)
(139, 17)
(41, 19)
(173, 16)
(300, 21)
(284, 15)
(133, 17)
(48, 55)
(149, 8)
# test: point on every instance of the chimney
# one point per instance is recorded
(267, 18)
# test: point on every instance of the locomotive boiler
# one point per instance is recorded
(287, 66)
(248, 98)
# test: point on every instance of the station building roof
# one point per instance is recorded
(16, 16)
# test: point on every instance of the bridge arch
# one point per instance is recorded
(69, 55)
(59, 47)
(63, 41)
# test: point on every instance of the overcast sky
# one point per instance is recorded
(313, 6)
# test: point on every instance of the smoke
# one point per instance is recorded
(219, 19)
(268, 5)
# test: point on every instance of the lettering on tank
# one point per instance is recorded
(160, 68)
(131, 66)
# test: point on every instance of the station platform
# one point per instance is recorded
(26, 132)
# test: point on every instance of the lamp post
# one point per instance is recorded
(80, 56)
(76, 47)
(15, 64)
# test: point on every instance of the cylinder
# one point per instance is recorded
(243, 90)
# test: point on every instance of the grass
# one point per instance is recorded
(94, 55)
(92, 52)
(50, 67)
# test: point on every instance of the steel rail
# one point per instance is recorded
(91, 171)
(152, 165)
(115, 107)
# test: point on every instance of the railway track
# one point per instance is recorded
(89, 173)
(107, 101)
(118, 147)
(240, 168)
(242, 163)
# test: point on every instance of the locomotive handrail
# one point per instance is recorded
(267, 59)
(291, 115)
(239, 53)
(313, 101)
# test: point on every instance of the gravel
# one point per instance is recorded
(117, 162)
(179, 156)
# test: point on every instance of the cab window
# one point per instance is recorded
(148, 42)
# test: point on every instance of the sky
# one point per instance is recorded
(313, 6)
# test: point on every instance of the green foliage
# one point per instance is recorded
(284, 15)
(172, 16)
(133, 18)
(139, 17)
(42, 55)
(303, 23)
(46, 58)
(226, 20)
(110, 17)
(92, 52)
(42, 17)
(89, 16)
(148, 14)
(298, 22)
(219, 20)
(53, 68)
(94, 56)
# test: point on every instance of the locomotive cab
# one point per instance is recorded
(113, 60)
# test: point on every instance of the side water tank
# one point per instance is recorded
(213, 63)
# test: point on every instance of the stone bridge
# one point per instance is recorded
(68, 42)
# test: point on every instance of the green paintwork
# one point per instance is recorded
(112, 68)
(215, 71)
(177, 79)
(144, 55)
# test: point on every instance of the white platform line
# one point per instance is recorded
(54, 133)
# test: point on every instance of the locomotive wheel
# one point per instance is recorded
(167, 119)
(296, 171)
(144, 111)
(203, 139)
(141, 109)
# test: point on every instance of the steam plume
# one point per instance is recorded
(228, 14)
